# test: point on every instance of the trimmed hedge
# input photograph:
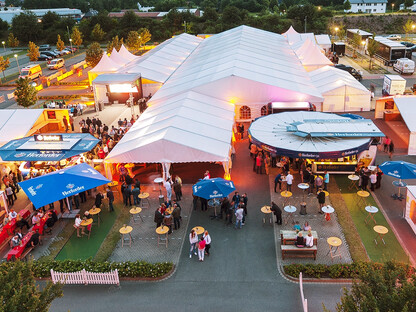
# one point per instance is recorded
(125, 269)
(346, 270)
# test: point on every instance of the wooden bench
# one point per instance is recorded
(26, 253)
(305, 252)
(289, 237)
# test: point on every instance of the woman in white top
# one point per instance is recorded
(309, 240)
(77, 224)
(207, 238)
(373, 180)
(193, 240)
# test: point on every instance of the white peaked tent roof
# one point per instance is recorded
(117, 58)
(123, 52)
(313, 57)
(16, 123)
(290, 31)
(105, 65)
(243, 65)
(159, 63)
(323, 40)
(293, 38)
(304, 47)
(188, 127)
(328, 79)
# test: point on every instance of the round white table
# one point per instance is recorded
(353, 178)
(328, 209)
(371, 212)
(303, 187)
(290, 211)
(159, 181)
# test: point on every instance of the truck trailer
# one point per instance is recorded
(389, 51)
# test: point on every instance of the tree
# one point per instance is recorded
(26, 94)
(4, 64)
(19, 291)
(60, 45)
(12, 41)
(372, 48)
(97, 33)
(347, 5)
(408, 27)
(144, 35)
(33, 52)
(26, 26)
(408, 3)
(387, 289)
(114, 43)
(133, 41)
(76, 37)
(355, 42)
(93, 54)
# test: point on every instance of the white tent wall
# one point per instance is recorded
(100, 94)
(412, 144)
(150, 88)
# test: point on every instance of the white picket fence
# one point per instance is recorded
(86, 278)
(302, 296)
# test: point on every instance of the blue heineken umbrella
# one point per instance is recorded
(401, 170)
(60, 184)
(213, 188)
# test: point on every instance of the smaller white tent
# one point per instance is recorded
(104, 66)
(323, 41)
(290, 31)
(407, 107)
(118, 59)
(123, 52)
(341, 91)
(312, 57)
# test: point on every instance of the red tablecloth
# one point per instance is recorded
(40, 225)
(18, 250)
(24, 213)
(10, 227)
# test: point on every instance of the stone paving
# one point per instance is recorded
(144, 245)
(325, 229)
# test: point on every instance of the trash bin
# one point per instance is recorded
(161, 199)
(303, 208)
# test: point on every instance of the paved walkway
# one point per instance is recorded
(240, 275)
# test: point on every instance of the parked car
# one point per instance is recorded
(404, 66)
(43, 57)
(56, 63)
(50, 53)
(69, 49)
(355, 73)
(44, 47)
(394, 37)
(407, 44)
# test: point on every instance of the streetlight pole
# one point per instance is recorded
(4, 45)
(70, 41)
(305, 24)
(17, 61)
(392, 7)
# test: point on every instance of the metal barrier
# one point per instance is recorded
(302, 296)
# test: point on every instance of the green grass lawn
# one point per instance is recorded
(84, 248)
(380, 252)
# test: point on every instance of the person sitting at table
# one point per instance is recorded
(300, 241)
(12, 214)
(306, 226)
(309, 240)
(6, 220)
(35, 219)
(20, 222)
(77, 223)
(50, 222)
(15, 241)
(34, 239)
(297, 227)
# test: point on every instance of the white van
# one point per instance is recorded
(56, 63)
(404, 66)
(31, 72)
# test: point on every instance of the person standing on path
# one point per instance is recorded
(201, 249)
(207, 239)
(239, 214)
(318, 183)
(158, 217)
(289, 181)
(391, 149)
(277, 212)
(193, 240)
(379, 175)
(168, 187)
(278, 180)
(321, 200)
(373, 180)
(110, 197)
(326, 180)
(176, 214)
(244, 201)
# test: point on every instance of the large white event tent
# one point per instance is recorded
(341, 91)
(104, 66)
(245, 66)
(188, 127)
(158, 64)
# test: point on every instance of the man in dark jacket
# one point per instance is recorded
(110, 197)
(277, 212)
(127, 195)
(98, 200)
(176, 213)
(158, 217)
